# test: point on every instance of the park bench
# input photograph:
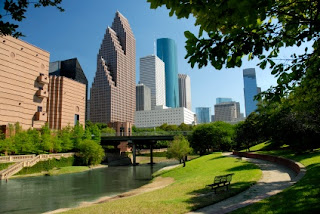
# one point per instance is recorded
(221, 181)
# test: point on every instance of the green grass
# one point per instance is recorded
(303, 197)
(188, 192)
(5, 165)
(260, 146)
(67, 170)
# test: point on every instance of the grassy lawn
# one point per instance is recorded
(67, 170)
(5, 165)
(188, 192)
(303, 197)
(158, 157)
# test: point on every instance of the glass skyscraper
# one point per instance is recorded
(203, 114)
(223, 100)
(167, 52)
(250, 90)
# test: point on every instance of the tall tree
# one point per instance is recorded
(231, 29)
(14, 11)
(179, 148)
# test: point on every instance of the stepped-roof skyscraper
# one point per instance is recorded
(113, 92)
(167, 52)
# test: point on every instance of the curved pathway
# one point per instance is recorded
(274, 179)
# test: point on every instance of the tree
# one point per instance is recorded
(77, 135)
(259, 29)
(90, 152)
(65, 136)
(46, 142)
(179, 148)
(16, 9)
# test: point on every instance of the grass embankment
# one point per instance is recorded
(188, 192)
(303, 197)
(52, 167)
(5, 165)
(158, 157)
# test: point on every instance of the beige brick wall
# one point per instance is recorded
(66, 98)
(20, 66)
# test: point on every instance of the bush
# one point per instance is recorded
(5, 165)
(90, 152)
(47, 165)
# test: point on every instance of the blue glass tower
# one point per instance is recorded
(250, 90)
(167, 52)
(203, 114)
(223, 100)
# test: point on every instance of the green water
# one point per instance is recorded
(47, 193)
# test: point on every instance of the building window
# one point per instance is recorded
(76, 119)
(39, 108)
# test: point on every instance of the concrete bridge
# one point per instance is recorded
(142, 138)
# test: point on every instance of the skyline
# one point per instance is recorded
(71, 34)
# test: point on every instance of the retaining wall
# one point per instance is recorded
(295, 166)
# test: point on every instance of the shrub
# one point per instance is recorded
(90, 152)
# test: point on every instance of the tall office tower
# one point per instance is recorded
(223, 100)
(250, 90)
(227, 111)
(143, 98)
(167, 51)
(23, 84)
(203, 114)
(113, 92)
(152, 75)
(67, 102)
(184, 91)
(70, 68)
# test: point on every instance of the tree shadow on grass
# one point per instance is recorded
(216, 158)
(206, 196)
(245, 166)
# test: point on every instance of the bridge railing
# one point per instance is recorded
(154, 133)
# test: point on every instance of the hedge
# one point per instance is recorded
(47, 165)
(4, 165)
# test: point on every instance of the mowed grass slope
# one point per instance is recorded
(303, 197)
(188, 192)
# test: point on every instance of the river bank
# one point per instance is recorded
(61, 171)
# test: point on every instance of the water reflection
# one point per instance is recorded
(45, 193)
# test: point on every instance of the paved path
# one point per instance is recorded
(274, 179)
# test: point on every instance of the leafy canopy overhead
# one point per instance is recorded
(256, 28)
(15, 10)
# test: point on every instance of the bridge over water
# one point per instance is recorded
(141, 138)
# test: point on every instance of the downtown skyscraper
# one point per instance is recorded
(113, 92)
(167, 52)
(250, 90)
(152, 75)
(184, 91)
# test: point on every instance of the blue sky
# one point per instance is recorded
(79, 30)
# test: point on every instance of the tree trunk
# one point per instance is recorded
(184, 162)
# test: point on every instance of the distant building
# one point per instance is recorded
(67, 102)
(161, 115)
(152, 75)
(223, 100)
(250, 90)
(113, 92)
(143, 98)
(23, 83)
(227, 111)
(70, 68)
(184, 91)
(212, 118)
(203, 114)
(167, 52)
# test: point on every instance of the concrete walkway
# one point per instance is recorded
(274, 179)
